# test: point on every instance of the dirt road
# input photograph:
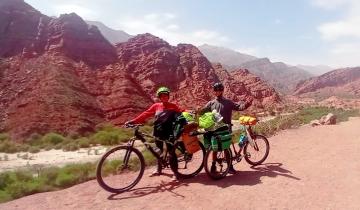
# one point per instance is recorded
(308, 168)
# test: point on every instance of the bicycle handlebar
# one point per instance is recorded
(132, 125)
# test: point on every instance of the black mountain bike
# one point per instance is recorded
(127, 163)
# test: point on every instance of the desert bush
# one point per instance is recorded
(70, 147)
(9, 147)
(64, 179)
(4, 137)
(83, 142)
(53, 138)
(34, 149)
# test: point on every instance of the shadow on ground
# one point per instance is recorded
(252, 177)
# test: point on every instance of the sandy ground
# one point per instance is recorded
(25, 160)
(308, 168)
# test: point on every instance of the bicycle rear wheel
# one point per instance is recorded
(120, 169)
(217, 164)
(257, 154)
(186, 165)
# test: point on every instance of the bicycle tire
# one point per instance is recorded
(101, 165)
(175, 159)
(227, 160)
(247, 155)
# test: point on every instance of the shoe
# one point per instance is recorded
(232, 170)
(175, 178)
(155, 173)
(158, 170)
(213, 168)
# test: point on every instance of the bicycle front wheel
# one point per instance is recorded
(187, 165)
(120, 169)
(217, 164)
(257, 154)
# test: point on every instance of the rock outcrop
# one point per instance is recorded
(26, 31)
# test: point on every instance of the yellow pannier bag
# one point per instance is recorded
(247, 120)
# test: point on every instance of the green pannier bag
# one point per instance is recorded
(206, 120)
(221, 140)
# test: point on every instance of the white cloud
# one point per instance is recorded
(164, 25)
(342, 35)
(330, 4)
(347, 28)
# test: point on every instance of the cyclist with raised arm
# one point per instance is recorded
(165, 113)
(225, 107)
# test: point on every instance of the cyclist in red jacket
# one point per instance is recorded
(164, 112)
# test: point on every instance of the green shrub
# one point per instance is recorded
(65, 180)
(49, 175)
(16, 189)
(70, 147)
(23, 175)
(35, 139)
(34, 149)
(9, 147)
(53, 138)
(5, 179)
(75, 173)
(4, 196)
(106, 138)
(83, 142)
(108, 134)
(20, 188)
(4, 137)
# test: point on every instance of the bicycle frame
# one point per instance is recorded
(250, 135)
(140, 136)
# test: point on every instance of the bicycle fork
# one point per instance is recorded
(128, 153)
(251, 140)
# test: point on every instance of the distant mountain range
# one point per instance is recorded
(281, 76)
(316, 70)
(113, 36)
(227, 57)
(341, 82)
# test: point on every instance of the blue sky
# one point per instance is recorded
(308, 32)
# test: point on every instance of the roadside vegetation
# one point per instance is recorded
(106, 135)
(301, 117)
(16, 184)
(20, 183)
